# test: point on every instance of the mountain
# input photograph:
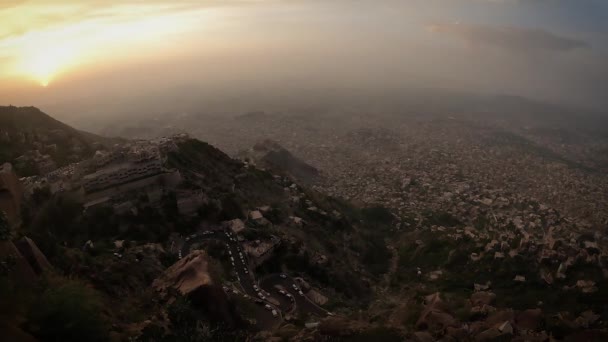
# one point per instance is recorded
(36, 143)
(271, 155)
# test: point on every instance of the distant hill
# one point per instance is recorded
(269, 154)
(35, 142)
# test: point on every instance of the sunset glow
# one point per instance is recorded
(44, 53)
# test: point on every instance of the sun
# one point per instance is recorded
(43, 65)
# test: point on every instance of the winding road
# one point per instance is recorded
(268, 288)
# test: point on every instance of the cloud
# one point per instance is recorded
(10, 3)
(511, 38)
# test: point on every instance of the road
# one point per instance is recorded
(304, 305)
(245, 278)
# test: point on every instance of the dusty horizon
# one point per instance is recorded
(69, 57)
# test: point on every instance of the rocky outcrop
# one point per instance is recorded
(28, 261)
(434, 316)
(190, 277)
(186, 275)
(11, 193)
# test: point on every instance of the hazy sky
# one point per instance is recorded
(72, 55)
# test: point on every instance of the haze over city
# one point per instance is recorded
(70, 56)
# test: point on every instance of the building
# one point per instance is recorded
(122, 173)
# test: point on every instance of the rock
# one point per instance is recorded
(435, 275)
(520, 279)
(487, 201)
(481, 287)
(255, 215)
(482, 310)
(586, 319)
(529, 319)
(458, 334)
(34, 256)
(488, 335)
(482, 298)
(236, 225)
(586, 286)
(336, 326)
(588, 336)
(499, 317)
(296, 220)
(423, 336)
(190, 276)
(317, 297)
(434, 317)
(186, 275)
(546, 276)
(506, 328)
(11, 193)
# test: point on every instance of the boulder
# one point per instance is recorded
(529, 319)
(190, 277)
(586, 286)
(457, 334)
(422, 336)
(29, 250)
(482, 298)
(491, 334)
(236, 225)
(499, 317)
(186, 275)
(336, 326)
(255, 215)
(586, 319)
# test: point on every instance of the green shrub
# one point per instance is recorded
(68, 311)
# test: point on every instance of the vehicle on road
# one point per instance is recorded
(268, 307)
(283, 276)
(274, 313)
(301, 293)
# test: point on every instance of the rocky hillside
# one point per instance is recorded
(269, 154)
(35, 142)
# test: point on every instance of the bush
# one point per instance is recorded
(68, 311)
(377, 215)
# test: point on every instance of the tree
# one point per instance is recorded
(67, 311)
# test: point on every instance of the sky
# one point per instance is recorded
(104, 57)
